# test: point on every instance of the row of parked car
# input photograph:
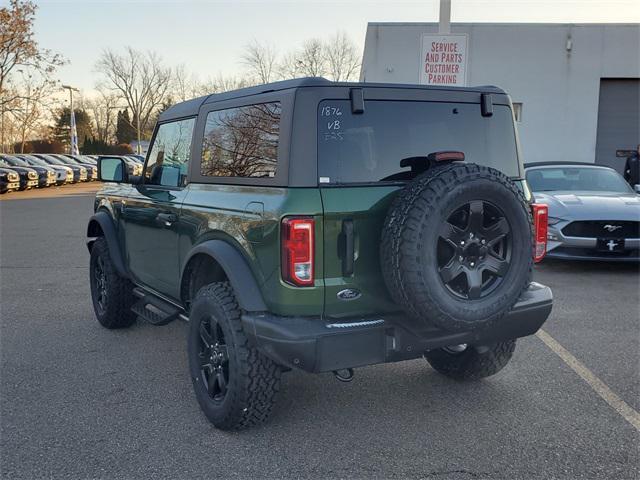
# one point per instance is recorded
(41, 170)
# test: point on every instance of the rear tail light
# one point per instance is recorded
(298, 250)
(445, 156)
(540, 222)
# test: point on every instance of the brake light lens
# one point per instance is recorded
(298, 250)
(445, 156)
(540, 226)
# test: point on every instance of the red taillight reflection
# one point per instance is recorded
(540, 225)
(297, 250)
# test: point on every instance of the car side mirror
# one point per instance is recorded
(112, 169)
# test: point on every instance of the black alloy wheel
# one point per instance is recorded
(99, 280)
(474, 250)
(214, 359)
(235, 384)
(111, 294)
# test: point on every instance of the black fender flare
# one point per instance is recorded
(237, 270)
(105, 223)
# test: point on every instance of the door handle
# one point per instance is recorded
(166, 219)
(349, 248)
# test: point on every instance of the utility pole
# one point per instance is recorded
(444, 25)
(71, 90)
(2, 126)
(138, 149)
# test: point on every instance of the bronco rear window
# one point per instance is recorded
(368, 147)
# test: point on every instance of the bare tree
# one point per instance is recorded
(102, 109)
(140, 78)
(290, 66)
(222, 83)
(185, 85)
(312, 59)
(308, 61)
(261, 60)
(20, 51)
(342, 57)
(338, 59)
(18, 48)
(31, 103)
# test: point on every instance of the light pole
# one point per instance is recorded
(2, 126)
(444, 24)
(138, 149)
(71, 90)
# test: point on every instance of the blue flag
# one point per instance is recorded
(74, 135)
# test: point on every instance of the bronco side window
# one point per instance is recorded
(170, 152)
(242, 141)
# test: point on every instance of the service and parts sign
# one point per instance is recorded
(443, 60)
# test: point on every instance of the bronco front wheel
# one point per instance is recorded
(112, 295)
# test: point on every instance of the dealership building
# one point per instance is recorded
(575, 87)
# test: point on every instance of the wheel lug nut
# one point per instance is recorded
(472, 264)
(483, 241)
(462, 242)
(461, 258)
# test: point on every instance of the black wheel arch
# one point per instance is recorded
(229, 264)
(101, 224)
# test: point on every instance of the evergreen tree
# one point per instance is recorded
(87, 147)
(62, 127)
(125, 131)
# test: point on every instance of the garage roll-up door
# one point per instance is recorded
(618, 119)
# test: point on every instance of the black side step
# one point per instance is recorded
(153, 309)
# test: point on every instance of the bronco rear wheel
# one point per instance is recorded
(234, 384)
(456, 247)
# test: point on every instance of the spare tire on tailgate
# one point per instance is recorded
(456, 247)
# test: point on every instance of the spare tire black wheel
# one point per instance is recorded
(456, 248)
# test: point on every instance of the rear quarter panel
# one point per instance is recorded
(249, 217)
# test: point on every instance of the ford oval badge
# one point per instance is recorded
(349, 294)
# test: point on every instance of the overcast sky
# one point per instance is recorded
(208, 36)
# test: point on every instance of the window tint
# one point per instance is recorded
(169, 155)
(242, 142)
(368, 147)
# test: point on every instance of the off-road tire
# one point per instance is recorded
(410, 233)
(253, 379)
(116, 309)
(472, 363)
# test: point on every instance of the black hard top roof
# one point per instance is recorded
(560, 164)
(191, 107)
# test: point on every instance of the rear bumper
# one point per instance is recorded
(565, 247)
(591, 254)
(317, 345)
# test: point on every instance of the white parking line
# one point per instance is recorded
(598, 386)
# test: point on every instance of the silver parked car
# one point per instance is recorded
(593, 213)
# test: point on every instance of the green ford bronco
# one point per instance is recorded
(324, 226)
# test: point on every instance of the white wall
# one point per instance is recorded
(559, 89)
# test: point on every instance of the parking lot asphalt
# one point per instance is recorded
(79, 401)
